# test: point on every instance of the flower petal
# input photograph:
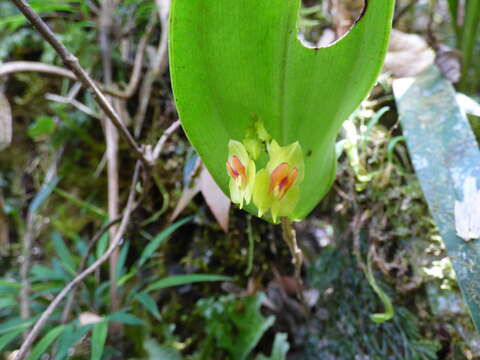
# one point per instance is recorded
(262, 198)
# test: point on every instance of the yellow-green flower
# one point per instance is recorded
(241, 170)
(277, 186)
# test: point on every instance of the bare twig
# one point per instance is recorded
(290, 237)
(163, 139)
(400, 13)
(137, 65)
(75, 103)
(158, 67)
(72, 63)
(68, 306)
(20, 355)
(35, 66)
(111, 136)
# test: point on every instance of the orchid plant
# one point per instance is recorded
(253, 98)
(262, 109)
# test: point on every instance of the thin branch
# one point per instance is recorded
(72, 63)
(137, 65)
(68, 306)
(111, 137)
(163, 139)
(290, 237)
(158, 67)
(35, 66)
(75, 103)
(20, 355)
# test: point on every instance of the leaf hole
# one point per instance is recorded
(322, 23)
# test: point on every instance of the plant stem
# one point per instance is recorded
(290, 237)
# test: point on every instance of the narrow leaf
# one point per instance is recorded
(46, 341)
(8, 338)
(149, 303)
(445, 155)
(99, 337)
(126, 318)
(70, 338)
(177, 280)
(159, 240)
(63, 253)
(43, 194)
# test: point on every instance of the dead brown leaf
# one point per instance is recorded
(408, 55)
(216, 200)
(87, 318)
(449, 62)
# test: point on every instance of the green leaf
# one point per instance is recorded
(469, 38)
(13, 325)
(149, 303)
(241, 60)
(387, 303)
(159, 240)
(102, 245)
(121, 268)
(43, 194)
(63, 253)
(156, 351)
(46, 341)
(445, 155)
(8, 338)
(177, 280)
(10, 284)
(235, 323)
(6, 302)
(42, 128)
(280, 348)
(70, 338)
(43, 273)
(126, 318)
(99, 337)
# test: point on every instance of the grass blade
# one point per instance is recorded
(177, 280)
(46, 341)
(159, 240)
(99, 337)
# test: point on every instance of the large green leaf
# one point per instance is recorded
(445, 155)
(233, 61)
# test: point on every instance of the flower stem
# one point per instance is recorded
(290, 237)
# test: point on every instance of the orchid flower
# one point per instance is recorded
(241, 170)
(277, 185)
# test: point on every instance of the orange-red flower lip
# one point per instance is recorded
(282, 179)
(237, 170)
